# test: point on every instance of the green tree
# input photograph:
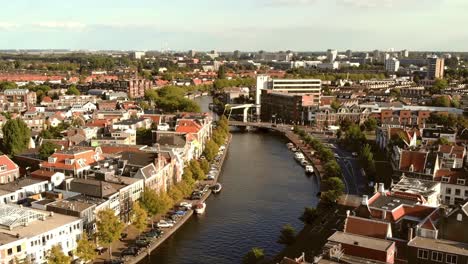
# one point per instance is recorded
(7, 85)
(139, 217)
(211, 150)
(354, 138)
(335, 105)
(72, 90)
(85, 248)
(443, 101)
(332, 169)
(254, 256)
(56, 256)
(155, 203)
(197, 171)
(16, 136)
(205, 165)
(175, 193)
(109, 228)
(439, 86)
(442, 141)
(47, 148)
(187, 176)
(288, 235)
(366, 159)
(334, 184)
(370, 124)
(309, 215)
(221, 72)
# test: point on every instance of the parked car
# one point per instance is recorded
(186, 205)
(113, 261)
(100, 250)
(142, 243)
(131, 251)
(164, 224)
(355, 154)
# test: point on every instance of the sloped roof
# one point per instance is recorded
(415, 158)
(366, 227)
(10, 165)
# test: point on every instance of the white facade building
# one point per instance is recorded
(331, 55)
(392, 65)
(27, 234)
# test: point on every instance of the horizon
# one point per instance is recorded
(270, 25)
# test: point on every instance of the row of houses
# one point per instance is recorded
(54, 201)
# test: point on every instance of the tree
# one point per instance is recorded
(85, 248)
(211, 150)
(332, 169)
(345, 124)
(16, 136)
(205, 165)
(309, 215)
(72, 90)
(366, 158)
(56, 256)
(175, 194)
(370, 124)
(47, 148)
(443, 101)
(335, 105)
(155, 203)
(254, 256)
(442, 141)
(288, 235)
(354, 138)
(197, 171)
(439, 85)
(334, 184)
(109, 228)
(221, 72)
(139, 217)
(7, 85)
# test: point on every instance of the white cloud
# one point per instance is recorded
(7, 26)
(60, 25)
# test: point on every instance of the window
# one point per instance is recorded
(466, 193)
(457, 192)
(452, 259)
(18, 249)
(437, 256)
(448, 190)
(10, 251)
(423, 254)
(445, 179)
(461, 181)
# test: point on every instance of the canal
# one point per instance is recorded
(264, 188)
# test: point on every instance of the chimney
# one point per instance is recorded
(365, 200)
(410, 233)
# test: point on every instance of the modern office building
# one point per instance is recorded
(435, 68)
(331, 55)
(392, 65)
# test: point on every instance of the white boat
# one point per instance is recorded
(304, 163)
(217, 187)
(200, 208)
(290, 145)
(309, 169)
(299, 156)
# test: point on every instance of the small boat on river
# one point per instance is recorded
(200, 208)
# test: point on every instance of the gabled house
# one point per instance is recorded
(9, 171)
(73, 162)
(452, 156)
(422, 164)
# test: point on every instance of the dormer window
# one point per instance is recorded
(445, 179)
(3, 167)
(461, 181)
(411, 168)
(52, 159)
(69, 161)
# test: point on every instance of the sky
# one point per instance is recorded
(247, 25)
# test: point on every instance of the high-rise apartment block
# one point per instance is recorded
(435, 68)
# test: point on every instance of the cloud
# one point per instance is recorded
(7, 26)
(60, 25)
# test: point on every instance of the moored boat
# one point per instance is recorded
(217, 187)
(309, 169)
(200, 208)
(299, 156)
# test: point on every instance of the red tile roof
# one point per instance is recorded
(88, 156)
(415, 158)
(458, 151)
(366, 227)
(188, 126)
(10, 165)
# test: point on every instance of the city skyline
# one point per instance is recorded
(271, 25)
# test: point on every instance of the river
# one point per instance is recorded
(264, 188)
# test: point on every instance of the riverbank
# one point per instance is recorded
(144, 253)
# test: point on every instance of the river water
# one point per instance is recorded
(264, 188)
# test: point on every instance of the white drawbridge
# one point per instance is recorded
(246, 107)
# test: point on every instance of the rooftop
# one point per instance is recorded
(440, 245)
(361, 241)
